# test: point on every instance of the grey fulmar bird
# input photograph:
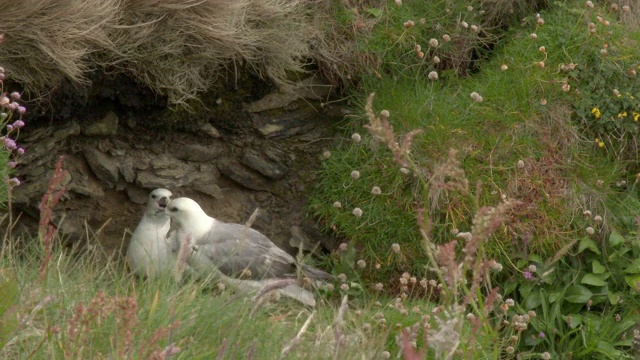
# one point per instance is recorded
(235, 250)
(149, 254)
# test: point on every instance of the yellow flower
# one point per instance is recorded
(596, 112)
(622, 114)
(636, 116)
(601, 144)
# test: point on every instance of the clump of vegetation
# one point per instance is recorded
(521, 242)
(176, 48)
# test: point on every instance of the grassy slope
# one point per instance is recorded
(509, 125)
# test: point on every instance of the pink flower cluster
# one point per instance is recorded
(10, 108)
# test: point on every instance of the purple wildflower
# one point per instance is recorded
(12, 164)
(10, 127)
(528, 275)
(9, 143)
(541, 334)
(20, 151)
(18, 124)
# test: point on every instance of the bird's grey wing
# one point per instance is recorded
(234, 249)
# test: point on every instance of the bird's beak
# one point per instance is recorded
(163, 202)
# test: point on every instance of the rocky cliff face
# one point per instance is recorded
(231, 155)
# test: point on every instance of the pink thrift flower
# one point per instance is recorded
(20, 151)
(10, 127)
(18, 124)
(14, 181)
(528, 275)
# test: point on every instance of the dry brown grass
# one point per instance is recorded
(175, 47)
(47, 41)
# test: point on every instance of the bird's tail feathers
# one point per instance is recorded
(296, 292)
(315, 273)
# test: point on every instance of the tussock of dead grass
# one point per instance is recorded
(175, 47)
(47, 41)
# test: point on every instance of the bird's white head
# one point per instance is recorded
(186, 213)
(158, 201)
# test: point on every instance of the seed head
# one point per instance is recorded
(433, 42)
(337, 204)
(464, 24)
(379, 286)
(357, 212)
(590, 230)
(433, 76)
(409, 24)
(361, 264)
(355, 174)
(476, 97)
(520, 164)
(504, 67)
(376, 190)
(543, 101)
(626, 9)
(597, 218)
(446, 37)
(356, 138)
(326, 154)
(475, 28)
(343, 247)
(395, 248)
(436, 60)
(533, 36)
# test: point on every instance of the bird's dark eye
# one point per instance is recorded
(153, 196)
(173, 209)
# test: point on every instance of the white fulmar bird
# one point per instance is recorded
(231, 250)
(149, 254)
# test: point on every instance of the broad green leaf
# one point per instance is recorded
(509, 287)
(633, 268)
(615, 239)
(593, 279)
(614, 298)
(533, 300)
(533, 258)
(587, 243)
(578, 294)
(606, 348)
(375, 12)
(554, 296)
(633, 281)
(597, 268)
(573, 320)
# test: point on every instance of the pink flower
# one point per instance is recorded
(10, 127)
(12, 164)
(18, 124)
(14, 181)
(9, 143)
(20, 151)
(15, 95)
(528, 275)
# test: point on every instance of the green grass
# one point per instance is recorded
(196, 316)
(578, 275)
